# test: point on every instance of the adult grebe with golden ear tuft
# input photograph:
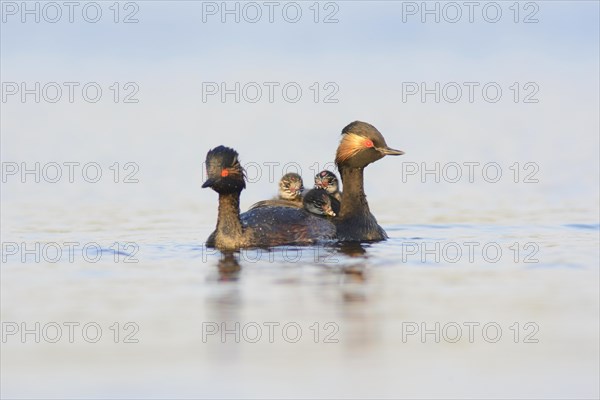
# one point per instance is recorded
(361, 145)
(260, 227)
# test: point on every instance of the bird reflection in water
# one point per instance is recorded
(351, 265)
(224, 297)
(228, 267)
(355, 308)
(355, 269)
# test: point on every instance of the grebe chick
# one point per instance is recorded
(291, 187)
(328, 181)
(318, 201)
(361, 145)
(290, 193)
(261, 227)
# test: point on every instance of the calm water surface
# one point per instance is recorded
(519, 318)
(487, 288)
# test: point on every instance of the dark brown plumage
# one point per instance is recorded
(361, 145)
(260, 227)
(319, 202)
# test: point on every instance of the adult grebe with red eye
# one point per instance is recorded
(361, 145)
(260, 227)
(276, 225)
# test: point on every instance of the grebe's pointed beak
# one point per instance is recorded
(209, 182)
(386, 151)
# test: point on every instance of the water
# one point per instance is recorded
(360, 309)
(487, 287)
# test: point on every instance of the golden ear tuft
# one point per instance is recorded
(350, 145)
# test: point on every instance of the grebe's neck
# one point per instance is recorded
(228, 221)
(354, 200)
(355, 222)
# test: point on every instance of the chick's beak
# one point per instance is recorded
(329, 211)
(386, 151)
(209, 182)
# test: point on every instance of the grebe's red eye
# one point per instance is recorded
(224, 173)
(368, 143)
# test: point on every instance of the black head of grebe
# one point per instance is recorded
(361, 145)
(224, 171)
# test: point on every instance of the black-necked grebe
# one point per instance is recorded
(361, 145)
(318, 201)
(328, 181)
(260, 227)
(291, 187)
